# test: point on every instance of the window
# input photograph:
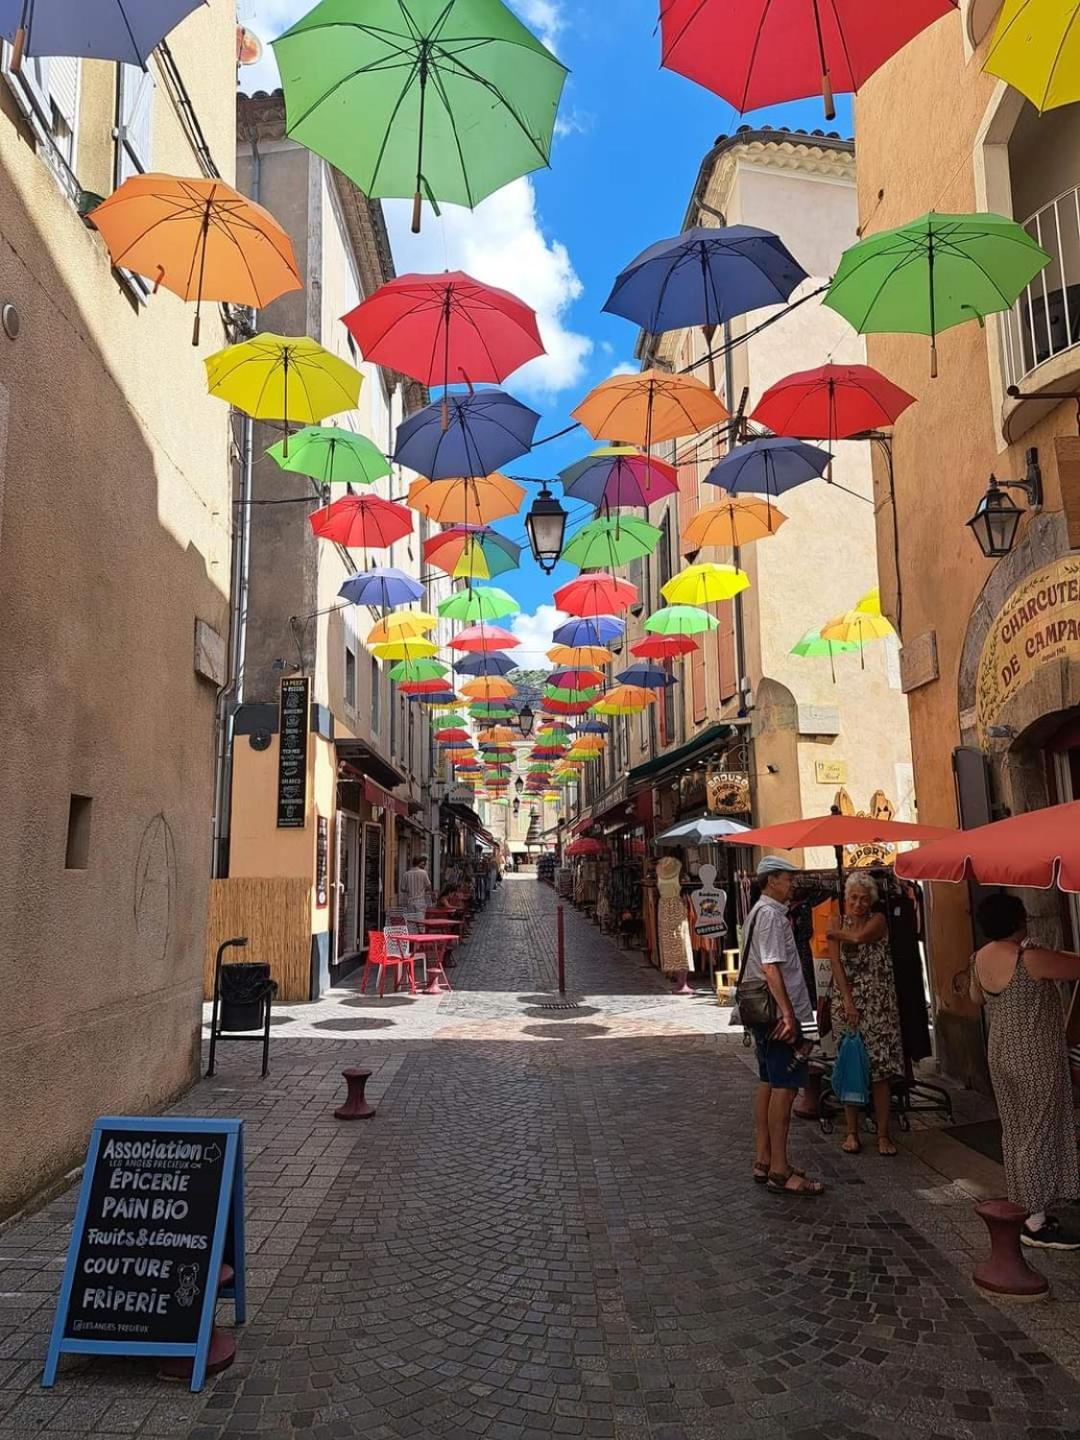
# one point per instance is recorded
(134, 121)
(350, 674)
(47, 91)
(376, 697)
(77, 855)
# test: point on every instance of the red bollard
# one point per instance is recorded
(560, 948)
(1006, 1272)
(355, 1107)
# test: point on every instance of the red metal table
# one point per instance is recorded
(439, 941)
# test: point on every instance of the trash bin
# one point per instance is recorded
(246, 990)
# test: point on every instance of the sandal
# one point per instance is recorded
(848, 1148)
(761, 1173)
(890, 1152)
(781, 1185)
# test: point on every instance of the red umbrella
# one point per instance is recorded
(1025, 850)
(423, 687)
(478, 639)
(586, 847)
(566, 707)
(832, 402)
(445, 329)
(836, 830)
(596, 594)
(362, 522)
(663, 647)
(763, 52)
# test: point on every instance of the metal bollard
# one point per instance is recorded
(355, 1107)
(1006, 1273)
(560, 948)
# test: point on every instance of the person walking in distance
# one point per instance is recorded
(417, 892)
(771, 954)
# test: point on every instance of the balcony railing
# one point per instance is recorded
(1045, 321)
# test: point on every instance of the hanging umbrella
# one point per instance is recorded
(484, 429)
(1036, 50)
(838, 830)
(416, 689)
(332, 456)
(700, 832)
(571, 694)
(705, 585)
(497, 734)
(484, 553)
(488, 687)
(1030, 851)
(589, 655)
(586, 847)
(592, 727)
(445, 329)
(680, 620)
(617, 475)
(566, 707)
(413, 670)
(857, 627)
(421, 97)
(607, 544)
(933, 273)
(486, 664)
(362, 522)
(663, 647)
(122, 30)
(812, 646)
(646, 677)
(728, 524)
(575, 679)
(870, 603)
(766, 52)
(484, 637)
(649, 407)
(283, 377)
(831, 403)
(199, 238)
(482, 603)
(595, 630)
(406, 625)
(473, 500)
(404, 649)
(625, 700)
(768, 467)
(596, 595)
(381, 588)
(450, 732)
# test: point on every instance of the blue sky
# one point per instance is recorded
(630, 141)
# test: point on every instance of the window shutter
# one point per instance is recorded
(64, 91)
(135, 118)
(725, 649)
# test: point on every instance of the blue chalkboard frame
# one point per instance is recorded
(230, 1200)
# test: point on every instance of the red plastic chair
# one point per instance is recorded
(379, 957)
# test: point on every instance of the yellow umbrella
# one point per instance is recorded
(1036, 50)
(580, 657)
(857, 627)
(283, 377)
(404, 649)
(488, 687)
(625, 700)
(407, 625)
(446, 704)
(704, 585)
(733, 522)
(870, 604)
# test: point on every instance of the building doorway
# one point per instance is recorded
(348, 885)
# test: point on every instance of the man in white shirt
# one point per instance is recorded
(416, 891)
(773, 956)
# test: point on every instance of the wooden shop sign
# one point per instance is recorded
(728, 792)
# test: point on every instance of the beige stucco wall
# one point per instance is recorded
(114, 539)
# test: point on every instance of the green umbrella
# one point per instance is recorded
(485, 602)
(570, 697)
(448, 98)
(332, 456)
(680, 620)
(606, 544)
(496, 712)
(814, 646)
(933, 273)
(418, 670)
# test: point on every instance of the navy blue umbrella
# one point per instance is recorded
(598, 630)
(441, 697)
(703, 277)
(768, 467)
(485, 429)
(121, 30)
(592, 727)
(650, 677)
(490, 664)
(381, 588)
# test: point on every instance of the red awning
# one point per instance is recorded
(376, 795)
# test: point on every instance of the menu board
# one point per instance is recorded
(292, 752)
(322, 861)
(372, 879)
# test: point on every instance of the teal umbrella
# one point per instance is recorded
(446, 98)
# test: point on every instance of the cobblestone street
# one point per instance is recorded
(549, 1229)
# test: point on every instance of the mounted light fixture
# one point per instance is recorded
(545, 526)
(997, 517)
(525, 720)
(519, 784)
(517, 806)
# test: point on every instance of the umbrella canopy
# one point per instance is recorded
(575, 679)
(199, 238)
(407, 625)
(470, 500)
(481, 603)
(764, 52)
(609, 543)
(579, 849)
(646, 677)
(617, 475)
(592, 727)
(705, 585)
(332, 456)
(857, 626)
(445, 329)
(571, 694)
(663, 647)
(472, 551)
(381, 588)
(838, 830)
(479, 432)
(488, 687)
(589, 655)
(769, 466)
(1036, 50)
(595, 630)
(417, 649)
(497, 734)
(814, 645)
(625, 700)
(831, 403)
(418, 688)
(485, 664)
(871, 601)
(704, 277)
(700, 832)
(1032, 850)
(596, 595)
(483, 637)
(450, 732)
(680, 620)
(933, 273)
(650, 407)
(413, 670)
(283, 377)
(418, 97)
(362, 522)
(122, 30)
(730, 523)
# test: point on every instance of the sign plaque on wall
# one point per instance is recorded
(292, 753)
(322, 861)
(728, 792)
(831, 772)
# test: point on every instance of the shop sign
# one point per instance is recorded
(868, 856)
(382, 799)
(292, 753)
(710, 906)
(1039, 623)
(728, 792)
(818, 719)
(322, 862)
(831, 772)
(461, 795)
(160, 1207)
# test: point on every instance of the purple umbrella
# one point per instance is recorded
(486, 429)
(121, 30)
(381, 588)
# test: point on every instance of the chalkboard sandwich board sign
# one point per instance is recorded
(149, 1237)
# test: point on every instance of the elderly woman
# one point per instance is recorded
(863, 979)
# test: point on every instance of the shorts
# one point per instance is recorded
(775, 1061)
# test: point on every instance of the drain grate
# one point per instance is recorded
(560, 1005)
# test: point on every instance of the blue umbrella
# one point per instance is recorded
(486, 429)
(768, 467)
(490, 664)
(440, 697)
(704, 277)
(592, 727)
(381, 588)
(121, 30)
(598, 630)
(649, 677)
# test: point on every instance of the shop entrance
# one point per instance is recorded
(348, 884)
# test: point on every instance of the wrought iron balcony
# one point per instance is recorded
(1045, 321)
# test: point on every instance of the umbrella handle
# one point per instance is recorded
(933, 357)
(827, 96)
(417, 208)
(17, 50)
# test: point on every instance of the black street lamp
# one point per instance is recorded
(545, 526)
(519, 784)
(997, 517)
(517, 806)
(525, 720)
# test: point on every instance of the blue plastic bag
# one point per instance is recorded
(851, 1071)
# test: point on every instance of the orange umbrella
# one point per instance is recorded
(467, 501)
(580, 655)
(647, 408)
(488, 687)
(730, 523)
(199, 238)
(498, 734)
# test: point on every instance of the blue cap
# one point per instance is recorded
(776, 865)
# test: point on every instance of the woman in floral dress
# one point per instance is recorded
(863, 979)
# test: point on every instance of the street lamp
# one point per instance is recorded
(517, 806)
(519, 784)
(526, 720)
(997, 517)
(545, 526)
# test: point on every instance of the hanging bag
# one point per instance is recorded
(755, 1004)
(851, 1071)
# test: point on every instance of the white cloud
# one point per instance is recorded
(625, 367)
(534, 631)
(544, 17)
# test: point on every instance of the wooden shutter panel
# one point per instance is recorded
(725, 649)
(135, 121)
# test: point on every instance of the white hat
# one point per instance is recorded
(776, 865)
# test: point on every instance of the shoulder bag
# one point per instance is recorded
(755, 1003)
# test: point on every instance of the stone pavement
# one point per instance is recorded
(548, 1229)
